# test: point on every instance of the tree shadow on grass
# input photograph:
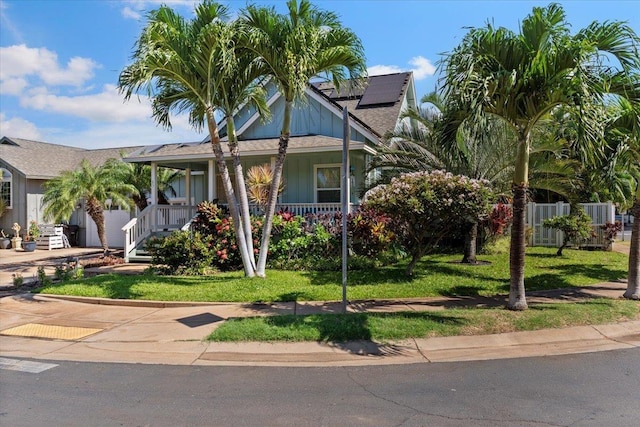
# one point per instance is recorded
(388, 274)
(352, 332)
(114, 286)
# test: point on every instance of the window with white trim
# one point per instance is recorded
(327, 183)
(6, 187)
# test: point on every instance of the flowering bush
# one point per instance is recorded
(216, 223)
(428, 206)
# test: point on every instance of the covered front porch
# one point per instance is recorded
(312, 181)
(157, 220)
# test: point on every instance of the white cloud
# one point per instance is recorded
(106, 106)
(378, 70)
(129, 13)
(23, 61)
(13, 86)
(421, 67)
(99, 135)
(136, 8)
(18, 128)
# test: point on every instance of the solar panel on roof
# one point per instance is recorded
(383, 90)
(347, 90)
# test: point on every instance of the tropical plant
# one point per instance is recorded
(628, 127)
(428, 206)
(293, 48)
(33, 232)
(521, 77)
(140, 176)
(576, 227)
(481, 150)
(196, 66)
(94, 185)
(258, 182)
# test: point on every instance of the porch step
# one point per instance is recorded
(142, 259)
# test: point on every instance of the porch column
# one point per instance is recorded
(154, 196)
(187, 185)
(154, 183)
(211, 180)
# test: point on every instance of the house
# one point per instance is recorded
(26, 165)
(313, 164)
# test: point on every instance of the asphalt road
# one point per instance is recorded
(597, 389)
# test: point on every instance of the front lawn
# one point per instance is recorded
(382, 327)
(436, 275)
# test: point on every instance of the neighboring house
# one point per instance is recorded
(26, 165)
(312, 168)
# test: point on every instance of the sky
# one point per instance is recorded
(60, 59)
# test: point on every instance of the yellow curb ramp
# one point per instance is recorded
(55, 332)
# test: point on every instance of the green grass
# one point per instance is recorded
(383, 327)
(436, 275)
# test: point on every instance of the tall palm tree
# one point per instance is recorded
(625, 128)
(294, 48)
(481, 151)
(521, 77)
(193, 65)
(139, 175)
(94, 185)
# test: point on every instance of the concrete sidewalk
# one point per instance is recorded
(104, 330)
(26, 264)
(42, 327)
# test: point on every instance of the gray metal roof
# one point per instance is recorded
(41, 160)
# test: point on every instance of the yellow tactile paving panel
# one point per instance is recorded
(38, 330)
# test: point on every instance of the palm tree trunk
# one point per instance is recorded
(517, 298)
(249, 271)
(633, 282)
(241, 189)
(470, 242)
(275, 184)
(96, 213)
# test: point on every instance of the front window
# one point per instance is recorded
(5, 187)
(327, 183)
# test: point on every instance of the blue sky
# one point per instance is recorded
(60, 60)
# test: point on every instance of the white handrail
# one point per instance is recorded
(156, 218)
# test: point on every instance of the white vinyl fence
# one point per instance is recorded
(600, 214)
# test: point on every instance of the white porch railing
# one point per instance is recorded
(154, 218)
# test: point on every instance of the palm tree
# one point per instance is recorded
(194, 66)
(625, 128)
(93, 184)
(481, 151)
(294, 48)
(140, 177)
(522, 77)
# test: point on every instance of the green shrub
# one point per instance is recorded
(182, 252)
(576, 227)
